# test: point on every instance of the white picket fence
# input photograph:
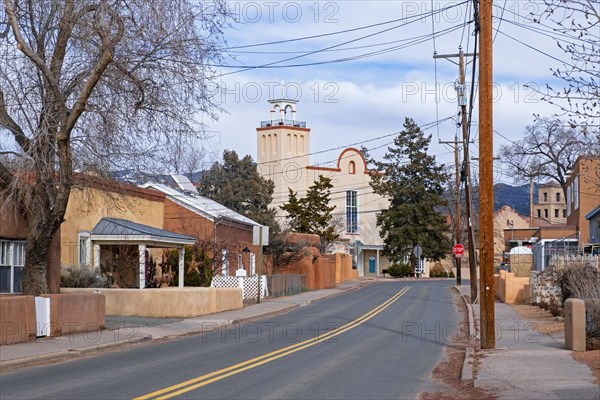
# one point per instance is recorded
(249, 285)
(560, 262)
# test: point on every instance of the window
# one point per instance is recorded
(545, 213)
(12, 260)
(352, 167)
(224, 262)
(576, 193)
(545, 197)
(556, 212)
(539, 213)
(352, 211)
(564, 213)
(85, 249)
(557, 196)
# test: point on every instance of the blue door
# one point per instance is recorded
(371, 265)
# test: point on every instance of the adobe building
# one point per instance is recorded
(283, 155)
(583, 196)
(551, 204)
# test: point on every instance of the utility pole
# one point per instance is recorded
(466, 174)
(457, 259)
(486, 177)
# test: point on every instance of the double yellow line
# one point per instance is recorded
(215, 376)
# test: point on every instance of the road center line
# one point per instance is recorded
(195, 383)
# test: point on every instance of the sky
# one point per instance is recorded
(370, 64)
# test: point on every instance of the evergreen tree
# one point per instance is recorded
(414, 184)
(236, 184)
(312, 213)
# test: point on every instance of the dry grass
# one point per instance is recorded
(542, 321)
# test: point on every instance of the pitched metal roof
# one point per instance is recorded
(201, 205)
(122, 229)
(593, 213)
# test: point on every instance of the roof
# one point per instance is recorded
(201, 205)
(593, 213)
(115, 229)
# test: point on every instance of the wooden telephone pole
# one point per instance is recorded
(462, 101)
(486, 177)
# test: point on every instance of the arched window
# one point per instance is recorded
(352, 167)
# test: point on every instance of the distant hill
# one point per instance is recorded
(514, 196)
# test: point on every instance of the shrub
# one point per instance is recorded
(400, 270)
(439, 272)
(82, 277)
(583, 282)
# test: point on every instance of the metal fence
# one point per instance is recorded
(286, 284)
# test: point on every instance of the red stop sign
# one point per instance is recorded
(458, 249)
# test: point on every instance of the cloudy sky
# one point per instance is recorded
(358, 68)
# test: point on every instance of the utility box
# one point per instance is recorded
(575, 325)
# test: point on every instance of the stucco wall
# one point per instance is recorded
(13, 226)
(76, 312)
(588, 172)
(169, 302)
(510, 289)
(17, 319)
(88, 205)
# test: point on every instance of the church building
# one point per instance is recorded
(283, 155)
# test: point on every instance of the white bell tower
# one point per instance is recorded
(283, 150)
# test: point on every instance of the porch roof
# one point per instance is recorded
(115, 230)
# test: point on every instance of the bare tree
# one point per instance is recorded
(548, 150)
(95, 85)
(577, 23)
(282, 251)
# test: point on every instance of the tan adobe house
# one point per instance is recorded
(110, 223)
(551, 204)
(283, 155)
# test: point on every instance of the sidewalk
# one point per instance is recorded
(526, 364)
(64, 347)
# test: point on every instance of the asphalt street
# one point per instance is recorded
(381, 341)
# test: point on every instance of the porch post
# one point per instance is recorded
(142, 252)
(377, 261)
(181, 262)
(96, 255)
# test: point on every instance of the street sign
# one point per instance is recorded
(418, 251)
(458, 249)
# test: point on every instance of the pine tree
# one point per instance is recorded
(414, 184)
(312, 213)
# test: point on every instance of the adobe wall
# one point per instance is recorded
(511, 289)
(75, 313)
(69, 313)
(168, 302)
(17, 319)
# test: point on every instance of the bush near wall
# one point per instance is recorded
(400, 270)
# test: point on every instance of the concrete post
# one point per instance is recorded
(142, 254)
(575, 325)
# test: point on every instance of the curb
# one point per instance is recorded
(470, 314)
(67, 354)
(466, 373)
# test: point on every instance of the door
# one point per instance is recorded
(371, 265)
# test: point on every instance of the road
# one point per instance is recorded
(378, 342)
